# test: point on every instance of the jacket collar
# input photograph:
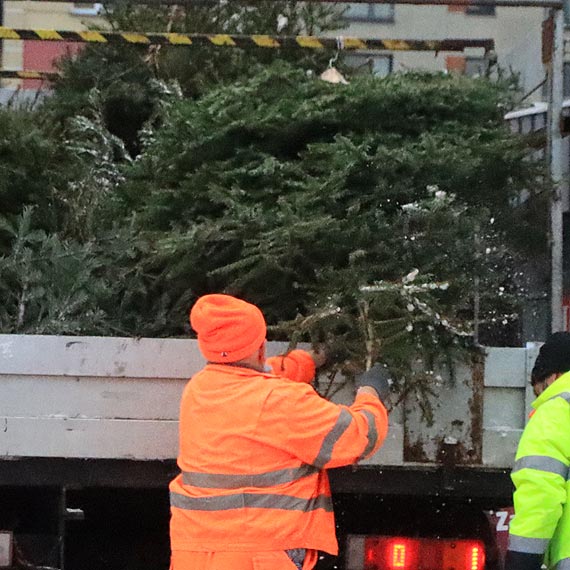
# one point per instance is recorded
(234, 369)
(559, 386)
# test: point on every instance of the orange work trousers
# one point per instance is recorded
(274, 560)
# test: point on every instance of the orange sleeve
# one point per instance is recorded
(322, 433)
(297, 365)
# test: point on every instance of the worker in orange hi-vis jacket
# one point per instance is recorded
(253, 492)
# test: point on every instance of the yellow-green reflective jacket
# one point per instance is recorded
(542, 519)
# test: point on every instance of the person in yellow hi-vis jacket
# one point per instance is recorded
(540, 531)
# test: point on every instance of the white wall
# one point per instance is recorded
(516, 31)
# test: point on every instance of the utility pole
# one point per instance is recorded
(1, 41)
(553, 56)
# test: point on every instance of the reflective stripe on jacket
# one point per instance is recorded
(253, 449)
(541, 525)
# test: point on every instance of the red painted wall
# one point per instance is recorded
(41, 56)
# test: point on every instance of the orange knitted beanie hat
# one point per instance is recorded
(228, 328)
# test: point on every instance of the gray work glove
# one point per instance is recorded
(379, 378)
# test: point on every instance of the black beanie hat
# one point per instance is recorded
(553, 357)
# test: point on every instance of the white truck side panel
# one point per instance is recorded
(92, 397)
(107, 357)
(95, 397)
(506, 403)
(88, 438)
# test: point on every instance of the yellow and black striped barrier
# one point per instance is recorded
(243, 41)
(15, 74)
(557, 4)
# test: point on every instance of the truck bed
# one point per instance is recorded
(83, 408)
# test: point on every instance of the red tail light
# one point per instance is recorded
(403, 553)
(476, 557)
(398, 555)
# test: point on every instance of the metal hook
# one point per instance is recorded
(339, 47)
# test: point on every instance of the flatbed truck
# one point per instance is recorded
(88, 441)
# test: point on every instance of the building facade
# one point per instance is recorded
(32, 55)
(517, 33)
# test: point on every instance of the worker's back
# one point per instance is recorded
(248, 479)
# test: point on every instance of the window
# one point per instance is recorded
(567, 12)
(86, 9)
(467, 65)
(566, 79)
(476, 66)
(374, 63)
(480, 10)
(355, 12)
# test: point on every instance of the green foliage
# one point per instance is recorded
(299, 195)
(130, 82)
(55, 285)
(89, 194)
(47, 286)
(29, 165)
(112, 83)
(200, 68)
(382, 218)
